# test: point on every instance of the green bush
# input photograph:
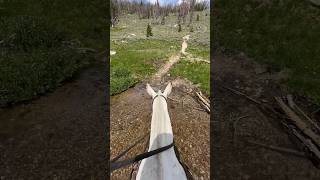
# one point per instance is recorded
(120, 79)
(28, 32)
(284, 34)
(34, 58)
(191, 29)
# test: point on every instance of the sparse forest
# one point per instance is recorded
(157, 13)
(133, 21)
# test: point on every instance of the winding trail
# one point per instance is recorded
(157, 77)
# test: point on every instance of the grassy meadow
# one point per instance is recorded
(282, 34)
(138, 57)
(41, 41)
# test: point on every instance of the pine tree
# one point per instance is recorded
(149, 31)
(179, 28)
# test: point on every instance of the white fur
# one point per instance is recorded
(165, 165)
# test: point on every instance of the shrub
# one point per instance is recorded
(34, 58)
(120, 80)
(179, 28)
(191, 29)
(149, 31)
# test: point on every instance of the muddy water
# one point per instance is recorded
(60, 135)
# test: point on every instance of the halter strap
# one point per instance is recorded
(158, 96)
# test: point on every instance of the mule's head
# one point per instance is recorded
(165, 93)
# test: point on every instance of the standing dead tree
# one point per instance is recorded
(192, 4)
(115, 12)
(183, 11)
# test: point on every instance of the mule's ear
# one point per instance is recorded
(168, 89)
(150, 91)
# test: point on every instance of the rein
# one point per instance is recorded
(119, 164)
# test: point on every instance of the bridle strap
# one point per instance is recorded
(158, 96)
(119, 164)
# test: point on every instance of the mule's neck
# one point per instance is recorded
(160, 124)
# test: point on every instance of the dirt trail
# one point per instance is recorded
(237, 120)
(60, 135)
(131, 116)
(157, 77)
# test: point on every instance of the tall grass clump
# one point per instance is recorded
(40, 41)
(35, 57)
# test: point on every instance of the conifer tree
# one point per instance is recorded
(149, 31)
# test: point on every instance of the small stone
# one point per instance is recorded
(112, 53)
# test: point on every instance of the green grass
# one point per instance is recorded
(141, 57)
(196, 72)
(283, 34)
(199, 51)
(137, 59)
(39, 41)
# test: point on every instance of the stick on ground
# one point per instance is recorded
(279, 149)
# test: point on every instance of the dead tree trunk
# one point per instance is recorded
(192, 10)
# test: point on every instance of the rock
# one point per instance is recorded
(112, 53)
(186, 38)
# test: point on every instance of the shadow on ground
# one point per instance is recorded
(60, 135)
(237, 120)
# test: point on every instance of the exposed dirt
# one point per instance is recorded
(60, 135)
(165, 68)
(236, 119)
(131, 117)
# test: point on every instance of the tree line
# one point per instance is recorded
(156, 12)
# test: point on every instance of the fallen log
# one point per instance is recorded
(295, 119)
(242, 94)
(204, 102)
(294, 106)
(308, 143)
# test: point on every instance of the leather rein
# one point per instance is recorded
(119, 164)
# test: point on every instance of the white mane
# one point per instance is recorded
(165, 165)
